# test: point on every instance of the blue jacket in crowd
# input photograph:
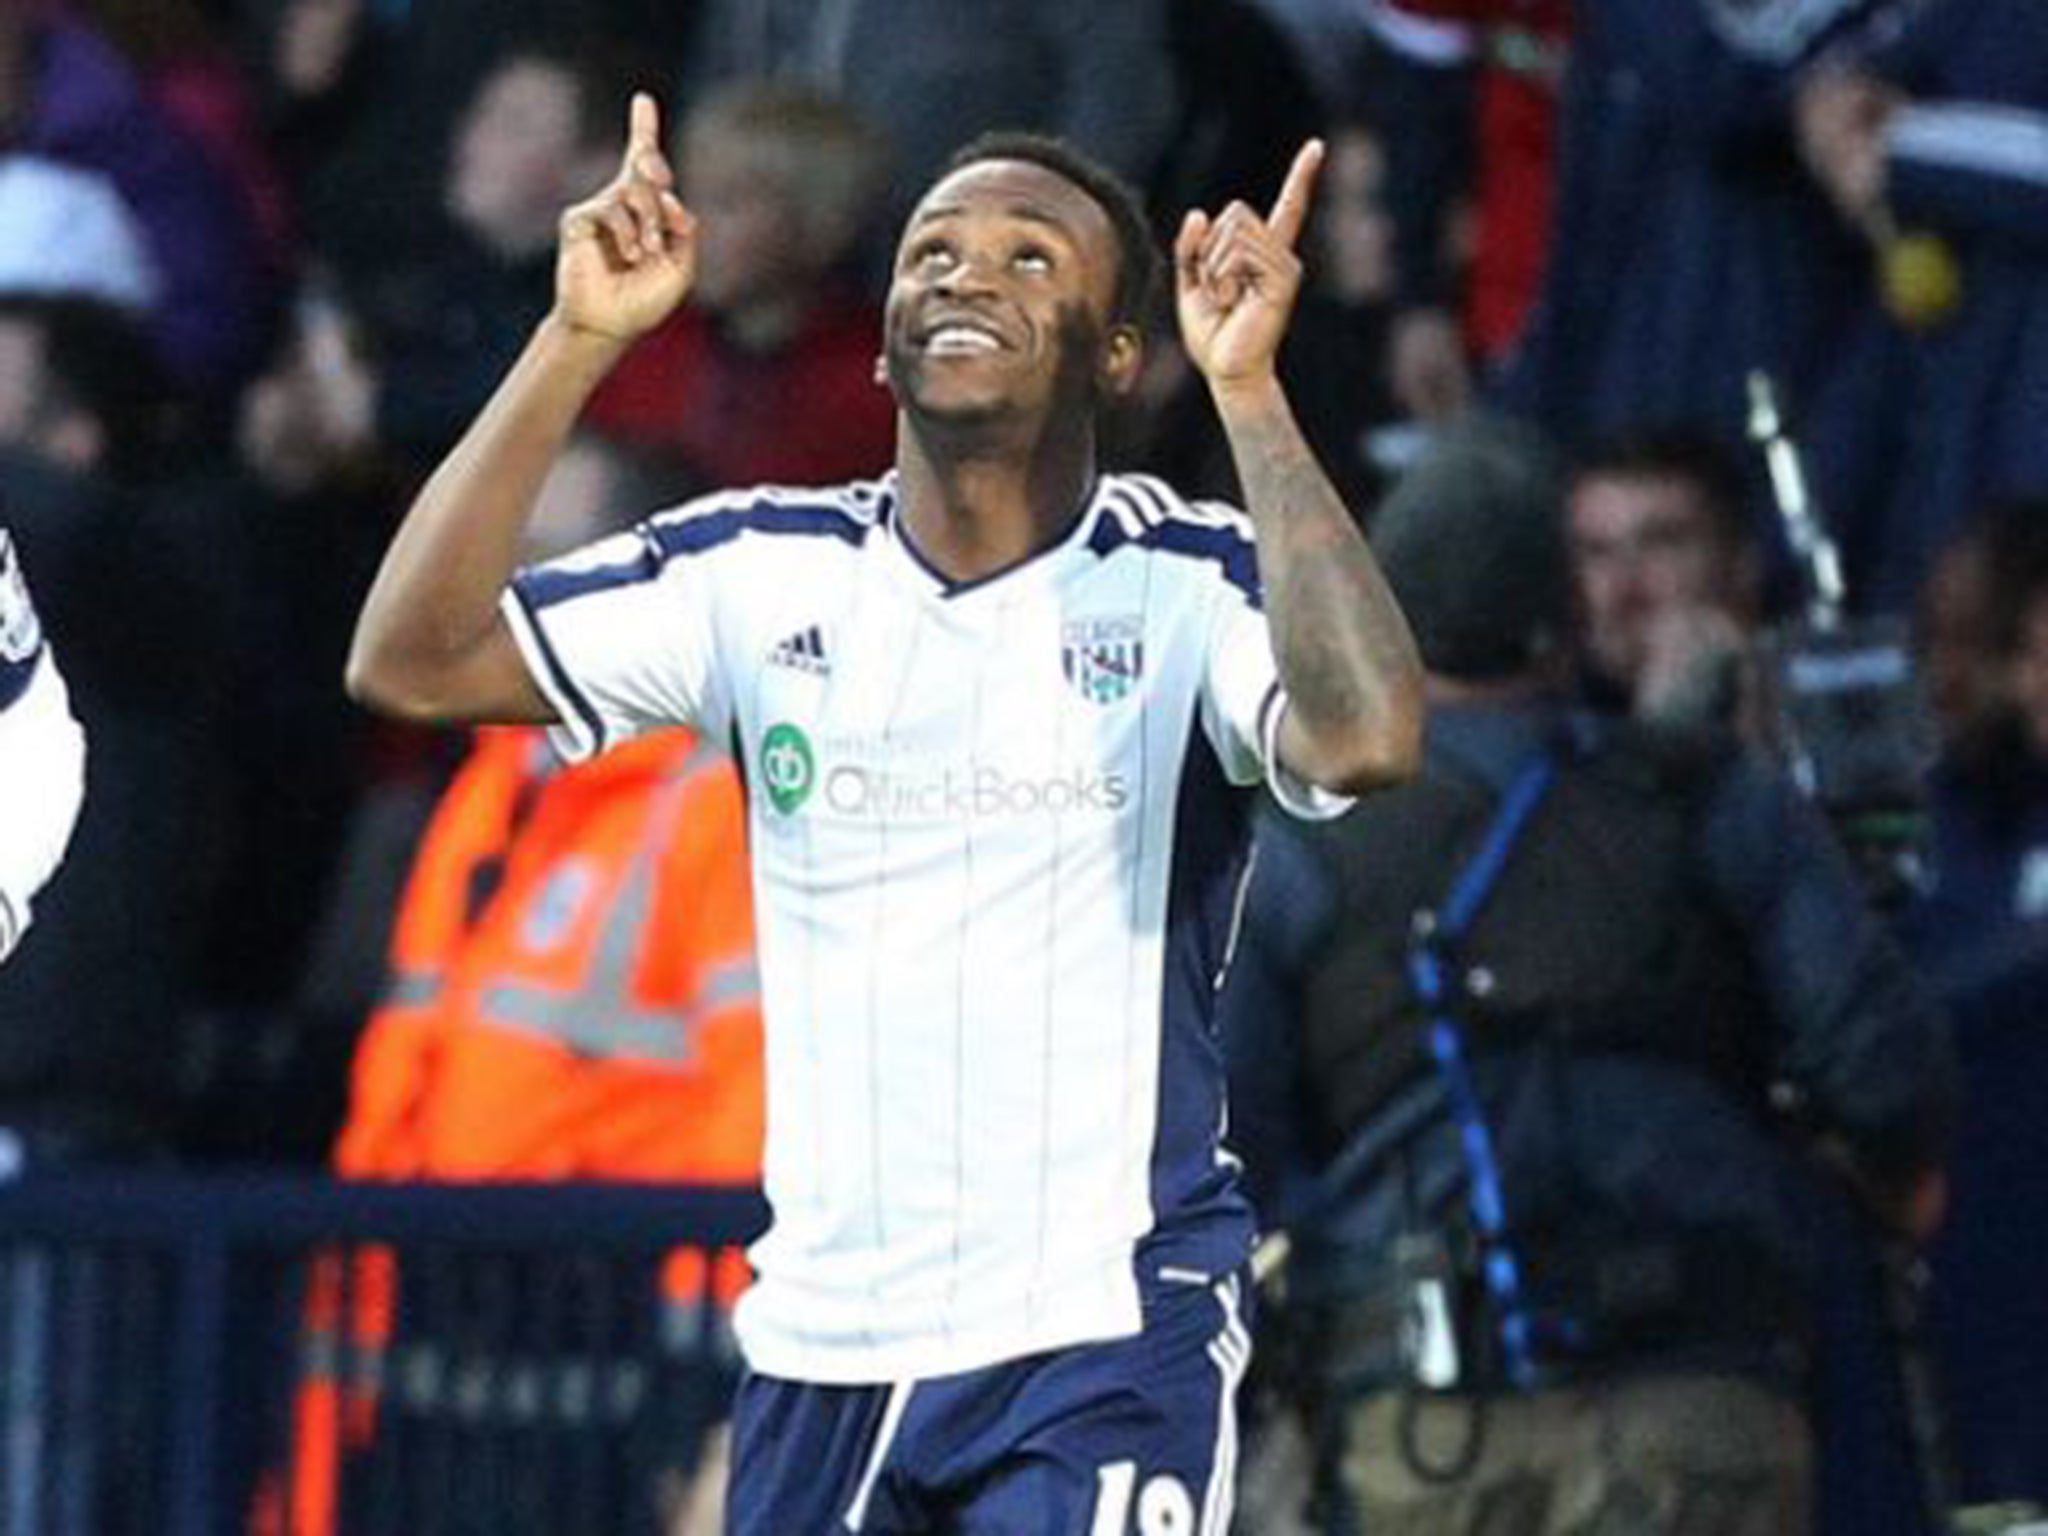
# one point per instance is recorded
(1688, 244)
(1919, 428)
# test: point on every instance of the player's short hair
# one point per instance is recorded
(823, 158)
(1138, 264)
(1688, 455)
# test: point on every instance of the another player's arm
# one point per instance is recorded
(430, 642)
(1346, 657)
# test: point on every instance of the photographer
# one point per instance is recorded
(1508, 1043)
(1667, 578)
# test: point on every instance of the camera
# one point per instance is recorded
(1843, 703)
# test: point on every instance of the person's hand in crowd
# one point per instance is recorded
(1237, 277)
(316, 412)
(629, 254)
(1427, 370)
(1840, 117)
(1695, 659)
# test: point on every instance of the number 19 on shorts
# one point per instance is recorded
(1163, 1505)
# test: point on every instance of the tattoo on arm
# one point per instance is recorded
(1343, 647)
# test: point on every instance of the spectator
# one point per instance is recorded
(768, 374)
(570, 994)
(300, 513)
(933, 73)
(1351, 404)
(185, 64)
(592, 1015)
(324, 78)
(1467, 94)
(1981, 932)
(1246, 103)
(1504, 1039)
(309, 422)
(1984, 927)
(68, 96)
(1667, 573)
(572, 990)
(328, 803)
(1667, 578)
(1935, 147)
(359, 97)
(1336, 358)
(1520, 49)
(1954, 640)
(1246, 99)
(440, 319)
(79, 389)
(1686, 246)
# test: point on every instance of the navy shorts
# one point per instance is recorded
(1128, 1437)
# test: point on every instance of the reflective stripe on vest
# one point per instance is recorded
(414, 989)
(600, 1018)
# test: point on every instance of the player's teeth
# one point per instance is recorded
(958, 338)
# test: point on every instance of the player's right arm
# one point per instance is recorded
(430, 643)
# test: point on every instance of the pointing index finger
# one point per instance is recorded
(1290, 208)
(643, 132)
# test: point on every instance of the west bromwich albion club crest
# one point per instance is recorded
(1103, 658)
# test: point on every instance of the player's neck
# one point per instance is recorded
(971, 514)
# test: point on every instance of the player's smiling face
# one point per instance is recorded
(1001, 295)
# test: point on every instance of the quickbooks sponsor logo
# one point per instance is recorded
(985, 791)
(788, 768)
(793, 776)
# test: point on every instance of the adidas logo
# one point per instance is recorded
(804, 650)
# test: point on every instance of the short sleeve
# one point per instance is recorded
(1242, 706)
(621, 637)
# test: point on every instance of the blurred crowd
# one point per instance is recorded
(262, 260)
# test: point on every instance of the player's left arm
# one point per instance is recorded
(1346, 658)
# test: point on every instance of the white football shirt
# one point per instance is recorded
(42, 755)
(996, 863)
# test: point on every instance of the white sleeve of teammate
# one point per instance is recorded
(1242, 703)
(42, 757)
(621, 637)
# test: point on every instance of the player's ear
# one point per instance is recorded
(1123, 359)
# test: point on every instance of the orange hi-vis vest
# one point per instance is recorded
(573, 990)
(572, 995)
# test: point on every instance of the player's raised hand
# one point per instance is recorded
(627, 255)
(1236, 277)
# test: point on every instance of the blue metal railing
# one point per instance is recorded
(148, 1320)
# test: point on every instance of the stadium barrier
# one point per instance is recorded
(196, 1354)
